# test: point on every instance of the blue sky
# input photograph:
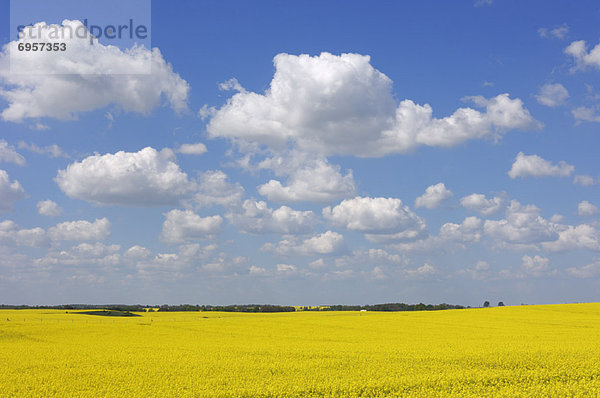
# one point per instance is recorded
(305, 153)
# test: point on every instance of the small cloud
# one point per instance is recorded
(232, 84)
(48, 208)
(192, 149)
(434, 195)
(483, 3)
(54, 151)
(586, 209)
(585, 114)
(206, 112)
(552, 95)
(584, 180)
(558, 32)
(535, 166)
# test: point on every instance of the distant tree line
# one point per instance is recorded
(393, 307)
(244, 307)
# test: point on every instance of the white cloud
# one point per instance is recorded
(585, 114)
(480, 271)
(552, 95)
(326, 243)
(81, 230)
(9, 154)
(535, 166)
(583, 58)
(331, 104)
(523, 225)
(257, 218)
(469, 230)
(372, 215)
(138, 252)
(584, 180)
(192, 149)
(558, 32)
(586, 209)
(286, 268)
(53, 150)
(184, 225)
(420, 272)
(480, 204)
(144, 178)
(10, 192)
(85, 77)
(48, 208)
(434, 195)
(312, 180)
(215, 189)
(587, 271)
(82, 255)
(535, 266)
(254, 270)
(570, 237)
(12, 234)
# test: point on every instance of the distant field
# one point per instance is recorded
(526, 351)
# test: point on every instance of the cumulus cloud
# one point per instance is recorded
(535, 266)
(582, 57)
(10, 192)
(313, 180)
(434, 195)
(523, 225)
(48, 208)
(82, 255)
(480, 271)
(332, 104)
(87, 76)
(9, 154)
(144, 178)
(81, 230)
(571, 237)
(192, 149)
(421, 272)
(323, 244)
(480, 204)
(12, 234)
(185, 225)
(469, 230)
(552, 95)
(586, 209)
(373, 215)
(535, 166)
(214, 188)
(587, 271)
(257, 218)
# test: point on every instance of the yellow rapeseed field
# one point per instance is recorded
(525, 351)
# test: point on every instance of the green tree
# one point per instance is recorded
(486, 304)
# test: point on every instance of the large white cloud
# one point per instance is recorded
(372, 215)
(535, 166)
(85, 77)
(144, 178)
(9, 154)
(257, 218)
(185, 225)
(82, 255)
(10, 192)
(479, 203)
(434, 195)
(333, 104)
(535, 266)
(81, 230)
